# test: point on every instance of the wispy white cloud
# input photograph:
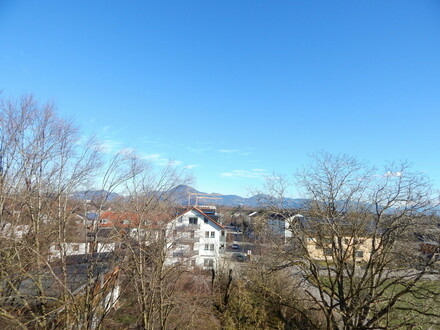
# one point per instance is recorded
(168, 162)
(239, 152)
(151, 157)
(107, 141)
(228, 150)
(253, 173)
(110, 132)
(109, 146)
(191, 166)
(393, 174)
(235, 152)
(127, 151)
(82, 140)
(198, 150)
(160, 160)
(105, 129)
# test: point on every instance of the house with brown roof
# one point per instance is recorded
(193, 237)
(82, 240)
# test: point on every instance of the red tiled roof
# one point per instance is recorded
(116, 219)
(155, 220)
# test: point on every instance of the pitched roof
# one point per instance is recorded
(204, 214)
(116, 219)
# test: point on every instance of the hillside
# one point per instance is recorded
(228, 200)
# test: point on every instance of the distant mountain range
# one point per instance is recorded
(95, 195)
(181, 193)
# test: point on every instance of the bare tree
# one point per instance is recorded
(147, 207)
(355, 244)
(43, 162)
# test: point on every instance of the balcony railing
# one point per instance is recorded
(186, 240)
(185, 253)
(187, 226)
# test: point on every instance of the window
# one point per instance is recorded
(359, 254)
(328, 252)
(223, 233)
(193, 221)
(326, 240)
(208, 263)
(211, 247)
(205, 219)
(206, 234)
(192, 233)
(180, 219)
(193, 263)
(125, 222)
(57, 247)
(76, 247)
(212, 234)
(174, 232)
(206, 247)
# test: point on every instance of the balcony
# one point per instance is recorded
(185, 240)
(187, 227)
(185, 253)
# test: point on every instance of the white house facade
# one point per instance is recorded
(281, 225)
(196, 239)
(79, 248)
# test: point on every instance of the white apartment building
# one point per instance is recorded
(197, 239)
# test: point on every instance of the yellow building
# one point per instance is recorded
(321, 248)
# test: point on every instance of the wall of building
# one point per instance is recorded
(199, 244)
(79, 248)
(316, 250)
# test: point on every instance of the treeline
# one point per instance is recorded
(351, 260)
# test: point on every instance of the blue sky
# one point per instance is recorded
(234, 90)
